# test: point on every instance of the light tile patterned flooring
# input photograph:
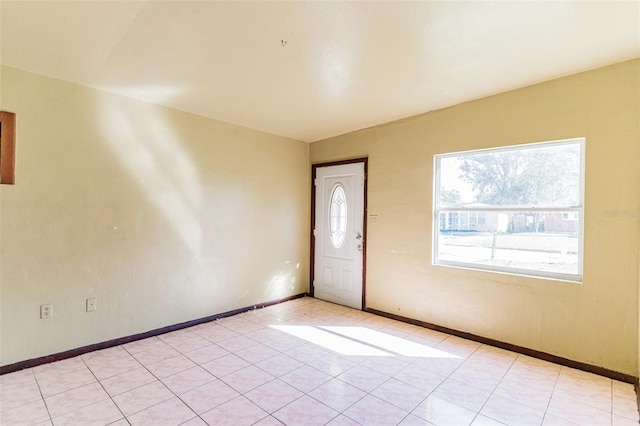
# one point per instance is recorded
(309, 362)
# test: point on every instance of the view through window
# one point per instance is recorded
(516, 209)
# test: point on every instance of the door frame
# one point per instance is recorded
(312, 238)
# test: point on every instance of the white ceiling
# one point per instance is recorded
(343, 65)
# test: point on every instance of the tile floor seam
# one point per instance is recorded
(138, 387)
(248, 390)
(345, 415)
(146, 408)
(294, 400)
(462, 363)
(611, 407)
(197, 415)
(555, 384)
(404, 418)
(408, 411)
(117, 408)
(478, 413)
(505, 375)
(349, 406)
(162, 402)
(105, 391)
(46, 406)
(446, 399)
(416, 405)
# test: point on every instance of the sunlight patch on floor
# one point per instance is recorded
(388, 342)
(331, 341)
(362, 341)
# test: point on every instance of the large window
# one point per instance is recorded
(515, 209)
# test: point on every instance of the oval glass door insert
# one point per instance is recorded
(337, 216)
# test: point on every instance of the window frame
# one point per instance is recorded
(578, 209)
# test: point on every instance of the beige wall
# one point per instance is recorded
(596, 322)
(167, 217)
(163, 216)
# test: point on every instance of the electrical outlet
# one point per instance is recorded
(92, 304)
(46, 311)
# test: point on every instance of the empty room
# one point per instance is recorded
(319, 213)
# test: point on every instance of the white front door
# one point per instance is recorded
(339, 236)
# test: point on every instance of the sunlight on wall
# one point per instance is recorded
(283, 283)
(152, 153)
(361, 341)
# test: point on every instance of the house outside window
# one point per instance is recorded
(516, 209)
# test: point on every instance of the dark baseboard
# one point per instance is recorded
(122, 340)
(515, 348)
(637, 386)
